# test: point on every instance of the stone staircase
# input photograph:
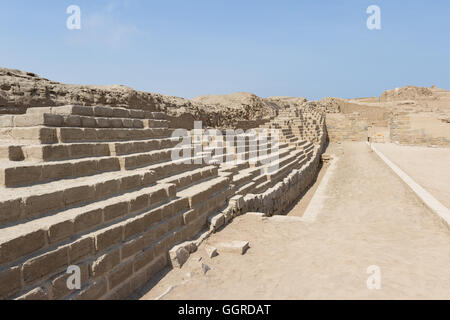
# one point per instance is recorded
(95, 187)
(99, 188)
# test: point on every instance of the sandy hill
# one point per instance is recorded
(248, 103)
(20, 90)
(406, 93)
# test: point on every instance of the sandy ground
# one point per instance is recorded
(299, 208)
(369, 217)
(429, 167)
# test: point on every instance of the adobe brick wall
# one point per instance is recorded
(349, 127)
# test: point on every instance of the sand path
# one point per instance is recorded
(369, 217)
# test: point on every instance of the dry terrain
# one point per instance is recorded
(369, 217)
(429, 167)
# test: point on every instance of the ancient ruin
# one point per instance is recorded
(88, 176)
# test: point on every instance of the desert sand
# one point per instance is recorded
(369, 217)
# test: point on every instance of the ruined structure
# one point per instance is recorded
(97, 187)
(88, 176)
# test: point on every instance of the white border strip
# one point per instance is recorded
(316, 204)
(430, 201)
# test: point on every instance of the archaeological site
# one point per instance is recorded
(111, 193)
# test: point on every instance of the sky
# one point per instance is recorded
(187, 48)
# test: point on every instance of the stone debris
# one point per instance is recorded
(217, 222)
(211, 251)
(178, 256)
(236, 247)
(205, 268)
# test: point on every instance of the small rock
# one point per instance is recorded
(205, 268)
(178, 255)
(211, 251)
(238, 247)
(191, 246)
(217, 221)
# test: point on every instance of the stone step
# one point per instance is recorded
(139, 160)
(32, 202)
(286, 168)
(186, 179)
(233, 167)
(24, 239)
(198, 217)
(98, 111)
(266, 180)
(29, 173)
(246, 189)
(55, 120)
(169, 168)
(17, 204)
(270, 158)
(243, 156)
(202, 191)
(112, 255)
(272, 167)
(47, 135)
(68, 151)
(35, 135)
(69, 135)
(13, 175)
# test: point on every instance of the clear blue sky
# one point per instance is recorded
(311, 48)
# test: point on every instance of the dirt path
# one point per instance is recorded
(369, 217)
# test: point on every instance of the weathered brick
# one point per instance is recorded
(132, 182)
(143, 259)
(20, 176)
(134, 227)
(51, 152)
(78, 194)
(132, 247)
(21, 246)
(53, 120)
(158, 196)
(87, 220)
(138, 280)
(59, 287)
(88, 122)
(60, 230)
(72, 121)
(45, 265)
(108, 164)
(43, 203)
(153, 216)
(56, 171)
(139, 204)
(115, 210)
(103, 112)
(10, 211)
(10, 282)
(107, 188)
(105, 263)
(120, 275)
(105, 239)
(94, 291)
(85, 168)
(121, 293)
(81, 249)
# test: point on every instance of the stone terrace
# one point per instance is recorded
(97, 187)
